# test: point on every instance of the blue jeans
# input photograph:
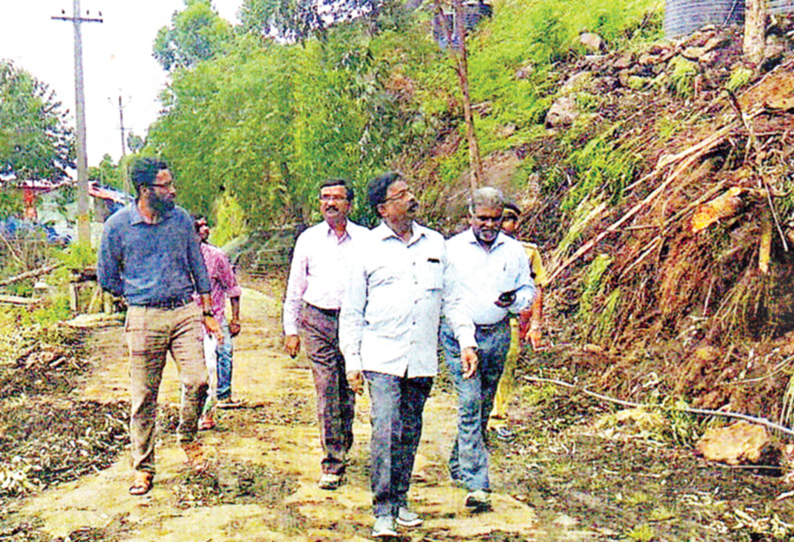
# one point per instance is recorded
(469, 459)
(396, 412)
(224, 352)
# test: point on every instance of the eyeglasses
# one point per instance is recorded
(399, 195)
(332, 197)
(168, 186)
(509, 218)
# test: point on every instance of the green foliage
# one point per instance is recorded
(592, 285)
(35, 141)
(196, 33)
(641, 533)
(682, 76)
(740, 76)
(107, 173)
(230, 221)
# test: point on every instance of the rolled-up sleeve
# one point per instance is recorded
(198, 270)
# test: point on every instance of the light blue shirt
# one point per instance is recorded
(393, 303)
(485, 274)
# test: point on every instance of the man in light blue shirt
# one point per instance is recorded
(388, 333)
(493, 271)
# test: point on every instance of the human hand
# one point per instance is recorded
(355, 379)
(293, 345)
(214, 328)
(234, 327)
(533, 336)
(506, 299)
(469, 361)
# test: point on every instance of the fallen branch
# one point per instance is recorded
(30, 274)
(697, 411)
(17, 300)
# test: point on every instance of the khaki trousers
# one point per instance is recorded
(151, 333)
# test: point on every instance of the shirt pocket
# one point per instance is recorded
(431, 274)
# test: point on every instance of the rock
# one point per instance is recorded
(623, 62)
(576, 82)
(483, 108)
(524, 72)
(562, 113)
(592, 41)
(773, 56)
(737, 444)
(507, 130)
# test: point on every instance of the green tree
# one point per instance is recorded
(35, 141)
(196, 33)
(107, 173)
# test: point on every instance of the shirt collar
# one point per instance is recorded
(136, 218)
(383, 232)
(329, 231)
(500, 239)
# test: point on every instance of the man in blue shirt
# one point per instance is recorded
(493, 272)
(150, 255)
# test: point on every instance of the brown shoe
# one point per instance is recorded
(195, 456)
(141, 482)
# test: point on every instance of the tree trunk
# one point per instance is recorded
(459, 53)
(754, 30)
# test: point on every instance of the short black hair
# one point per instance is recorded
(145, 170)
(340, 182)
(197, 219)
(379, 186)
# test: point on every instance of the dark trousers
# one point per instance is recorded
(335, 400)
(397, 405)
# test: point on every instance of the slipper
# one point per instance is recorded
(141, 483)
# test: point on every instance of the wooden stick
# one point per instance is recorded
(30, 274)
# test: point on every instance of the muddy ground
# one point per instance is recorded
(578, 469)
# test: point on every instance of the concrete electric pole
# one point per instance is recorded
(122, 162)
(83, 219)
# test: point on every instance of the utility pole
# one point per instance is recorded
(83, 221)
(122, 163)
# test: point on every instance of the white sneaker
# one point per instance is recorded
(330, 481)
(407, 518)
(384, 527)
(478, 501)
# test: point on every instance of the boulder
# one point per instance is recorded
(592, 42)
(737, 444)
(562, 113)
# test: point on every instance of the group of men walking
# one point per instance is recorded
(372, 307)
(368, 306)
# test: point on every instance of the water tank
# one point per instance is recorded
(682, 17)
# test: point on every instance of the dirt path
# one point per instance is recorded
(265, 464)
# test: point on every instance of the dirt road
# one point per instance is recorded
(265, 464)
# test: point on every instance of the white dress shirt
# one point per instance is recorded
(484, 275)
(318, 274)
(397, 291)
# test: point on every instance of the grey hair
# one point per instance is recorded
(486, 196)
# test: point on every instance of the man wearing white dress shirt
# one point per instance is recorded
(317, 279)
(494, 273)
(388, 332)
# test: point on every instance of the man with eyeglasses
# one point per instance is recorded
(316, 284)
(150, 255)
(389, 334)
(494, 273)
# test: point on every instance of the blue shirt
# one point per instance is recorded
(485, 274)
(393, 302)
(151, 263)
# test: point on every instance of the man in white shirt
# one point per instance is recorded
(388, 332)
(317, 279)
(494, 273)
